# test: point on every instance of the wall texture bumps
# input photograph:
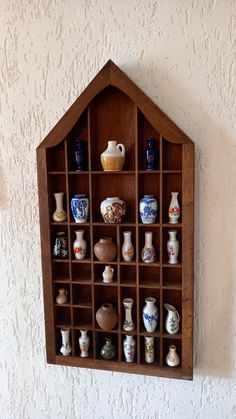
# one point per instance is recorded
(182, 54)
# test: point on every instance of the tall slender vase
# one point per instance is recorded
(149, 349)
(59, 214)
(84, 343)
(151, 154)
(79, 245)
(150, 315)
(173, 247)
(174, 209)
(80, 155)
(148, 254)
(128, 323)
(129, 345)
(66, 347)
(127, 248)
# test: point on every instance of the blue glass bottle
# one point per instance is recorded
(151, 154)
(80, 155)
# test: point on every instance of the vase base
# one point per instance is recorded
(173, 263)
(84, 355)
(173, 222)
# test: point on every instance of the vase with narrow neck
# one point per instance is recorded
(148, 254)
(84, 344)
(108, 351)
(172, 319)
(108, 274)
(127, 248)
(128, 325)
(172, 358)
(150, 314)
(173, 247)
(79, 245)
(148, 209)
(149, 349)
(66, 347)
(62, 296)
(129, 346)
(151, 154)
(113, 158)
(174, 209)
(59, 214)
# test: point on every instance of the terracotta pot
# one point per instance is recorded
(106, 316)
(105, 249)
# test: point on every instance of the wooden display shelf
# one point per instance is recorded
(112, 107)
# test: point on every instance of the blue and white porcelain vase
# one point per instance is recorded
(151, 154)
(150, 315)
(80, 208)
(148, 209)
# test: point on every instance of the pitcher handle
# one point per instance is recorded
(66, 292)
(178, 316)
(121, 147)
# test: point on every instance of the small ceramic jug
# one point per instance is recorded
(62, 296)
(172, 319)
(108, 274)
(113, 158)
(172, 358)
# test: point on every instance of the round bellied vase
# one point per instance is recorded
(59, 214)
(113, 158)
(148, 253)
(173, 247)
(108, 274)
(80, 155)
(151, 154)
(174, 209)
(148, 209)
(149, 349)
(150, 315)
(129, 346)
(106, 316)
(84, 344)
(105, 249)
(127, 248)
(60, 248)
(108, 351)
(80, 208)
(62, 297)
(172, 358)
(79, 245)
(113, 210)
(172, 319)
(66, 346)
(128, 325)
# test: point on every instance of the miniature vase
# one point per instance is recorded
(174, 209)
(148, 209)
(105, 249)
(127, 248)
(173, 247)
(106, 317)
(113, 210)
(59, 215)
(151, 154)
(172, 319)
(84, 344)
(113, 158)
(150, 314)
(66, 347)
(80, 155)
(148, 254)
(108, 351)
(108, 274)
(128, 325)
(149, 349)
(60, 248)
(80, 208)
(129, 346)
(79, 245)
(172, 358)
(62, 296)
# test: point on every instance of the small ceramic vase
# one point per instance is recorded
(59, 215)
(148, 209)
(113, 210)
(84, 344)
(60, 248)
(80, 208)
(150, 315)
(106, 317)
(148, 254)
(172, 358)
(79, 245)
(105, 249)
(62, 296)
(66, 347)
(149, 349)
(172, 319)
(128, 325)
(151, 154)
(108, 274)
(174, 209)
(80, 155)
(108, 351)
(129, 346)
(127, 248)
(113, 158)
(173, 247)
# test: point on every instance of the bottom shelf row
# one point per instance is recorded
(107, 347)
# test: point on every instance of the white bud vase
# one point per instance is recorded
(172, 319)
(79, 245)
(172, 358)
(128, 325)
(66, 347)
(149, 349)
(150, 315)
(84, 343)
(148, 254)
(59, 215)
(173, 247)
(174, 209)
(127, 248)
(129, 345)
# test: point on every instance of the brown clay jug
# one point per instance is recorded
(106, 316)
(105, 249)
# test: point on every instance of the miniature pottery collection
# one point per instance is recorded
(108, 351)
(174, 209)
(106, 316)
(79, 245)
(60, 248)
(150, 154)
(127, 248)
(173, 247)
(129, 345)
(113, 158)
(66, 347)
(108, 274)
(128, 325)
(150, 314)
(148, 209)
(62, 296)
(148, 254)
(113, 210)
(84, 344)
(105, 249)
(80, 208)
(59, 215)
(172, 358)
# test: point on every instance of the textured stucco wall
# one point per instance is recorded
(182, 54)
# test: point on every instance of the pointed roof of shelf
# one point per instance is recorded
(111, 75)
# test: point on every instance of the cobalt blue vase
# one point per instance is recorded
(80, 208)
(80, 155)
(151, 154)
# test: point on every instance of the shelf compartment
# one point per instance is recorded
(56, 184)
(82, 295)
(174, 298)
(100, 341)
(156, 362)
(82, 318)
(98, 271)
(60, 271)
(165, 238)
(171, 183)
(56, 158)
(79, 131)
(76, 335)
(128, 275)
(149, 276)
(62, 316)
(146, 130)
(172, 278)
(171, 155)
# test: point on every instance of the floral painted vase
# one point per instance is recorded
(150, 315)
(66, 346)
(149, 349)
(148, 254)
(127, 248)
(60, 248)
(108, 351)
(173, 247)
(113, 210)
(129, 346)
(84, 344)
(113, 158)
(174, 209)
(108, 274)
(79, 245)
(172, 358)
(128, 325)
(80, 155)
(80, 208)
(172, 319)
(59, 214)
(148, 209)
(151, 154)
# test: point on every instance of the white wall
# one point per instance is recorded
(182, 54)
